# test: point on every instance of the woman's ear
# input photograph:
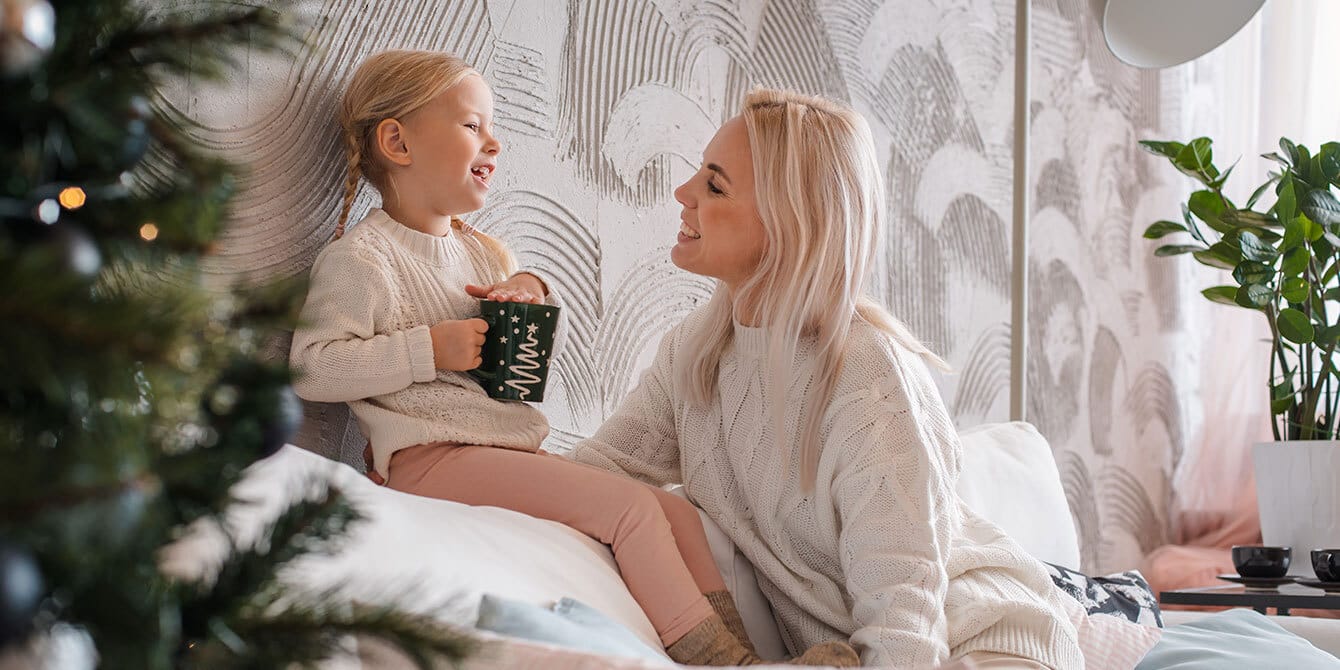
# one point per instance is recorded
(391, 145)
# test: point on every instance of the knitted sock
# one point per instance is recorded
(724, 605)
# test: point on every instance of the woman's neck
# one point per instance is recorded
(420, 219)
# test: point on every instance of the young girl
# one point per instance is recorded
(390, 326)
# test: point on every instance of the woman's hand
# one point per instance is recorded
(520, 287)
(456, 344)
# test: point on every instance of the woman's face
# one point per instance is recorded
(720, 232)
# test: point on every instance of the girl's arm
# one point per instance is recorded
(641, 438)
(897, 508)
(337, 354)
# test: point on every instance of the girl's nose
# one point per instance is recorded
(491, 145)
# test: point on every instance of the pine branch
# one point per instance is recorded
(308, 526)
(312, 629)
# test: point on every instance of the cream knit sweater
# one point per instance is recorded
(363, 339)
(883, 552)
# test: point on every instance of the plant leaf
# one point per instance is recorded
(1281, 405)
(1196, 159)
(1260, 190)
(1295, 326)
(1286, 206)
(1254, 296)
(1165, 149)
(1160, 228)
(1295, 262)
(1294, 289)
(1214, 259)
(1321, 206)
(1208, 206)
(1246, 217)
(1290, 149)
(1330, 161)
(1177, 249)
(1191, 224)
(1274, 156)
(1254, 249)
(1331, 294)
(1253, 272)
(1225, 295)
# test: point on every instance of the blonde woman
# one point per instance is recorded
(391, 327)
(801, 416)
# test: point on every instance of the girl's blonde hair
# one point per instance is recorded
(821, 200)
(392, 85)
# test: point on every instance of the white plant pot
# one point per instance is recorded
(1296, 494)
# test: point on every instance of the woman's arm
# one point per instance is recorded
(896, 503)
(641, 438)
(337, 354)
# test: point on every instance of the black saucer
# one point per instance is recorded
(1329, 587)
(1258, 583)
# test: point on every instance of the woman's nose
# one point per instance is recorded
(682, 194)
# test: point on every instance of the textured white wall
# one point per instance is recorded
(605, 106)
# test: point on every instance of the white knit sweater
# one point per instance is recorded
(883, 552)
(363, 339)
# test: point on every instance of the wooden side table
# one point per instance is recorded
(1282, 598)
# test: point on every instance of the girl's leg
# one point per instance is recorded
(691, 539)
(610, 508)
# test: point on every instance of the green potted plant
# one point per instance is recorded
(1285, 263)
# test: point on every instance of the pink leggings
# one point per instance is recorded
(657, 537)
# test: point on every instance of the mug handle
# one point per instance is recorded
(482, 375)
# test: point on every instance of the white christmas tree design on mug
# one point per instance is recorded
(527, 361)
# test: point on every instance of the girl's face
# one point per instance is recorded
(451, 148)
(720, 232)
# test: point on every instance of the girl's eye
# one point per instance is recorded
(713, 188)
(473, 126)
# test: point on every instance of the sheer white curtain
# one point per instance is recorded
(1276, 78)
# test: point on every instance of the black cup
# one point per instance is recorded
(1326, 563)
(1259, 562)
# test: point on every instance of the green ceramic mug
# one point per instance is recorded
(516, 349)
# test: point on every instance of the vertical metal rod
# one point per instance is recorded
(1019, 237)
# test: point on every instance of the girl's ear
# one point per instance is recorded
(390, 138)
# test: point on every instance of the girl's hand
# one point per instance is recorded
(456, 344)
(520, 287)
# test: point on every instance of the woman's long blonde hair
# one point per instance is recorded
(820, 196)
(392, 85)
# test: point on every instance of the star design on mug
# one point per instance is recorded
(530, 329)
(503, 339)
(515, 318)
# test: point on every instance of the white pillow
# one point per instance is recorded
(429, 556)
(1010, 478)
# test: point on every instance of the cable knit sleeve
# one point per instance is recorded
(894, 494)
(641, 439)
(338, 354)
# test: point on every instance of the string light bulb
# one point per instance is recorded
(72, 197)
(149, 232)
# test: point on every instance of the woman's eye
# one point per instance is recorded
(713, 188)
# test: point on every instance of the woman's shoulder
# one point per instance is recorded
(876, 354)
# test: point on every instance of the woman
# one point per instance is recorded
(802, 419)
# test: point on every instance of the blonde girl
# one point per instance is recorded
(801, 417)
(391, 327)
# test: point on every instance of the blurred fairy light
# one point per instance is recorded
(72, 197)
(48, 211)
(149, 232)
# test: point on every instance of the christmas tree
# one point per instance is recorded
(132, 396)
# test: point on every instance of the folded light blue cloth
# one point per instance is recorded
(1238, 638)
(569, 624)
